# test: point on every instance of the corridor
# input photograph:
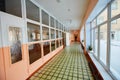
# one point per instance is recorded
(69, 64)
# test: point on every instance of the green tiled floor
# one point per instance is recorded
(70, 64)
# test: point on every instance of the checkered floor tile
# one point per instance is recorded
(70, 64)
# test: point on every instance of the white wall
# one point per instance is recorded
(67, 39)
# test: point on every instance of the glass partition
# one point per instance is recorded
(57, 43)
(52, 34)
(103, 43)
(34, 52)
(11, 6)
(115, 49)
(115, 8)
(56, 33)
(56, 24)
(96, 42)
(102, 17)
(52, 45)
(52, 24)
(45, 33)
(46, 48)
(33, 32)
(32, 11)
(45, 18)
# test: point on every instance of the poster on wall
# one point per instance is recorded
(15, 44)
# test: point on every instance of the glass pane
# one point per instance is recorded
(11, 6)
(61, 42)
(56, 24)
(46, 48)
(34, 52)
(94, 23)
(103, 43)
(45, 18)
(96, 42)
(57, 43)
(45, 34)
(33, 32)
(52, 34)
(53, 45)
(102, 17)
(52, 24)
(115, 49)
(15, 44)
(56, 33)
(32, 11)
(59, 34)
(115, 8)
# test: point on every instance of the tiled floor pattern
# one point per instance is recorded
(70, 64)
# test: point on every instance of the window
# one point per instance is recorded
(34, 52)
(114, 5)
(45, 33)
(115, 49)
(57, 34)
(56, 24)
(46, 48)
(52, 34)
(103, 43)
(11, 6)
(102, 17)
(52, 45)
(115, 8)
(32, 11)
(52, 22)
(94, 23)
(33, 32)
(45, 18)
(96, 42)
(57, 43)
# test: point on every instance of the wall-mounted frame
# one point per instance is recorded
(15, 36)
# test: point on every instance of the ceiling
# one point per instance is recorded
(69, 12)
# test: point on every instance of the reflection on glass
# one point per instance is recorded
(103, 43)
(45, 18)
(57, 43)
(96, 42)
(52, 22)
(46, 48)
(45, 33)
(59, 34)
(115, 49)
(61, 42)
(34, 52)
(52, 34)
(32, 11)
(56, 33)
(94, 23)
(115, 8)
(15, 44)
(33, 32)
(56, 24)
(11, 7)
(53, 45)
(102, 17)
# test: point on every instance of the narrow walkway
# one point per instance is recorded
(69, 64)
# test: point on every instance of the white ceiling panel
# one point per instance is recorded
(69, 12)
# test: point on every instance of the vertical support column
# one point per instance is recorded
(108, 38)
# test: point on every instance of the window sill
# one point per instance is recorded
(100, 68)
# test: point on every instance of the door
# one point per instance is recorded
(13, 47)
